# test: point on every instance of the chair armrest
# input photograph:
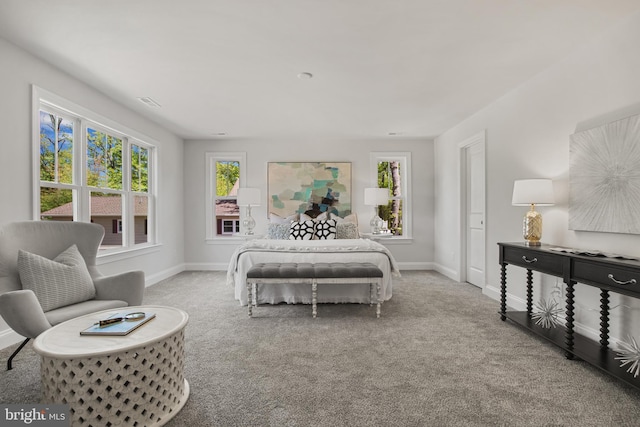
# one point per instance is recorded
(128, 286)
(23, 313)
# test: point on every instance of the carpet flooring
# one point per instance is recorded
(438, 356)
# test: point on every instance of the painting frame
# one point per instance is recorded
(311, 188)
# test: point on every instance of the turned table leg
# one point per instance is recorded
(503, 291)
(568, 340)
(604, 318)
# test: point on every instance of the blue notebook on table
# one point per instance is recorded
(120, 328)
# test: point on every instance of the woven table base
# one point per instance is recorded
(139, 387)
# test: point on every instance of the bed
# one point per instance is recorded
(333, 250)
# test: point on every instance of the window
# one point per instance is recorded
(92, 170)
(225, 173)
(230, 226)
(392, 171)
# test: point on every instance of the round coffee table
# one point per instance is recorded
(136, 379)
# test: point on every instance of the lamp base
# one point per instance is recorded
(248, 223)
(532, 228)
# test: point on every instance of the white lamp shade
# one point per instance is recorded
(532, 191)
(376, 196)
(248, 196)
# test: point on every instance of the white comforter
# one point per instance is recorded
(340, 250)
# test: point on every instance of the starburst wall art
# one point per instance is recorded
(604, 178)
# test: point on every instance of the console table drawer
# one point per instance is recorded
(534, 260)
(619, 278)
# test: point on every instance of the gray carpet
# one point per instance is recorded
(438, 356)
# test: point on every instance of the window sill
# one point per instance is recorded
(112, 255)
(394, 240)
(235, 240)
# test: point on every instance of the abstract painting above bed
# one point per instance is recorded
(310, 188)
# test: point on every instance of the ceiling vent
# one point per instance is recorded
(149, 102)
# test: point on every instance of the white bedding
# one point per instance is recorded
(337, 250)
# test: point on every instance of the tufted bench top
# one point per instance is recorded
(319, 270)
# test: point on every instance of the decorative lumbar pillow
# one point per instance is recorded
(325, 230)
(301, 230)
(62, 281)
(347, 230)
(278, 231)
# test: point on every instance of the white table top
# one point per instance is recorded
(64, 340)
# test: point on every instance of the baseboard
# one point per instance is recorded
(446, 271)
(206, 266)
(415, 266)
(9, 337)
(162, 275)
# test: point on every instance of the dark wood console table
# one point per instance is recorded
(606, 273)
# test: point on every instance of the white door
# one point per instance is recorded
(475, 232)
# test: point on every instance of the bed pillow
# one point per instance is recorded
(301, 230)
(61, 281)
(278, 231)
(322, 217)
(347, 230)
(325, 230)
(277, 219)
(348, 219)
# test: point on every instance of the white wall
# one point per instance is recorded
(528, 137)
(18, 72)
(416, 254)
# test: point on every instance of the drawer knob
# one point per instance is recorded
(525, 259)
(620, 282)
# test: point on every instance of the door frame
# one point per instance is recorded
(479, 138)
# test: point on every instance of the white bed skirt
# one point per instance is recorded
(343, 250)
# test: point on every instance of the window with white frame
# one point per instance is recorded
(91, 169)
(225, 173)
(392, 171)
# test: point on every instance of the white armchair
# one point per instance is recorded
(22, 309)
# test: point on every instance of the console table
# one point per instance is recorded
(609, 274)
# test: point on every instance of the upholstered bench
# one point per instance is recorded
(314, 274)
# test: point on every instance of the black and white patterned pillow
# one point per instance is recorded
(301, 230)
(325, 230)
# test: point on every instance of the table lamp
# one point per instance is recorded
(376, 197)
(532, 192)
(248, 197)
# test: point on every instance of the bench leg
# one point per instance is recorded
(378, 307)
(249, 298)
(314, 298)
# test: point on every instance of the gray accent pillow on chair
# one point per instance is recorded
(62, 281)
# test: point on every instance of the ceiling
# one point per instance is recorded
(229, 68)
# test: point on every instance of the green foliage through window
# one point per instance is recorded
(104, 160)
(389, 177)
(227, 174)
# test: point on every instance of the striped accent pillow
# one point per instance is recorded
(62, 281)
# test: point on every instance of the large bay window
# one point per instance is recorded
(91, 169)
